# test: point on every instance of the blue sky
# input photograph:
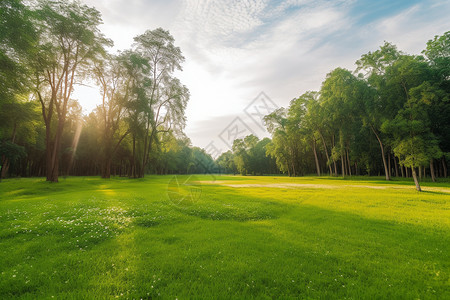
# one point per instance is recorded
(236, 49)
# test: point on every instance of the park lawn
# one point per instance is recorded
(232, 237)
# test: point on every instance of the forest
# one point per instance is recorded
(389, 117)
(51, 47)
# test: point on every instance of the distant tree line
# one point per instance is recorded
(248, 157)
(47, 49)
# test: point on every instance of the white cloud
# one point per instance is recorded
(412, 28)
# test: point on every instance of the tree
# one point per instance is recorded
(415, 144)
(69, 42)
(341, 96)
(280, 149)
(303, 123)
(438, 54)
(378, 106)
(111, 77)
(18, 125)
(226, 163)
(17, 39)
(166, 98)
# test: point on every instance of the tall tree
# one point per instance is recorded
(70, 40)
(414, 143)
(111, 75)
(281, 148)
(166, 97)
(342, 98)
(378, 107)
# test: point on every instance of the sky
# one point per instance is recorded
(246, 58)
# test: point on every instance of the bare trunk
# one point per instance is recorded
(444, 165)
(107, 169)
(389, 164)
(416, 182)
(420, 173)
(335, 168)
(5, 167)
(316, 158)
(293, 169)
(56, 151)
(396, 166)
(433, 175)
(382, 153)
(133, 159)
(48, 152)
(348, 165)
(326, 153)
(343, 165)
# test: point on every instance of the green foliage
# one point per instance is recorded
(226, 163)
(17, 37)
(400, 105)
(249, 157)
(11, 151)
(438, 53)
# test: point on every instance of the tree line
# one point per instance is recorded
(47, 49)
(389, 116)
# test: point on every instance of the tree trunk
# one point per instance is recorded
(403, 172)
(444, 165)
(389, 164)
(48, 152)
(316, 158)
(56, 151)
(334, 161)
(293, 169)
(326, 153)
(420, 173)
(433, 175)
(348, 165)
(343, 165)
(396, 166)
(382, 153)
(107, 168)
(133, 159)
(5, 167)
(416, 182)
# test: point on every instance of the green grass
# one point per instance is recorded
(271, 237)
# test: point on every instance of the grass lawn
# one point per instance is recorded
(224, 237)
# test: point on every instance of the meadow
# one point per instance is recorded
(222, 237)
